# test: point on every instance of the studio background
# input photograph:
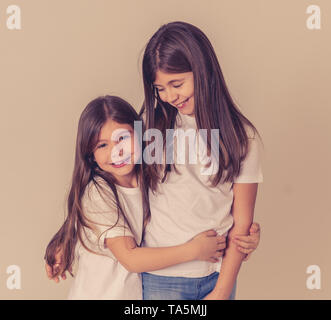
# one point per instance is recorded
(69, 52)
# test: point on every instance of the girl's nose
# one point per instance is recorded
(171, 96)
(116, 152)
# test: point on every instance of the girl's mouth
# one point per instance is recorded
(182, 104)
(121, 163)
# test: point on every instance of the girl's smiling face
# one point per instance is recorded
(177, 89)
(115, 152)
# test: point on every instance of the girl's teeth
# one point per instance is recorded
(180, 105)
(121, 162)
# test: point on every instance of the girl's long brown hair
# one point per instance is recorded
(86, 170)
(180, 47)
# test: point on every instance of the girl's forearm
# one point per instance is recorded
(243, 213)
(231, 264)
(150, 259)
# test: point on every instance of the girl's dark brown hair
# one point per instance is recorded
(86, 171)
(180, 47)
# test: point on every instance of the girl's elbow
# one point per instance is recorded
(133, 269)
(131, 266)
(137, 270)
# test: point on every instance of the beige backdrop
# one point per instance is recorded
(69, 52)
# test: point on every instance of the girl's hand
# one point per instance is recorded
(247, 244)
(209, 246)
(56, 270)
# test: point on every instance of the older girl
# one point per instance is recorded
(185, 89)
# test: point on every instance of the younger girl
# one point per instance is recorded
(185, 89)
(107, 208)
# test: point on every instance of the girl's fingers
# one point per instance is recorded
(246, 251)
(221, 253)
(246, 245)
(247, 239)
(254, 228)
(49, 271)
(221, 246)
(216, 256)
(221, 239)
(56, 269)
(211, 233)
(212, 259)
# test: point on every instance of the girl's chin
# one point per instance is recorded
(186, 111)
(187, 108)
(120, 170)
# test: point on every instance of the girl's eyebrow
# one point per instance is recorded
(120, 131)
(170, 82)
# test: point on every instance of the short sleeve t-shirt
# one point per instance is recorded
(101, 276)
(186, 204)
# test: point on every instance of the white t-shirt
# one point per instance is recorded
(186, 204)
(102, 276)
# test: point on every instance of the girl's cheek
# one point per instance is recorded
(121, 151)
(162, 97)
(98, 158)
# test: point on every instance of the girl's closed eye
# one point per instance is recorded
(101, 145)
(175, 86)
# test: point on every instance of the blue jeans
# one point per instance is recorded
(179, 288)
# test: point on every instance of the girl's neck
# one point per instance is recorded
(192, 115)
(128, 181)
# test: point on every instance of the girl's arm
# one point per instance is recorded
(243, 212)
(205, 246)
